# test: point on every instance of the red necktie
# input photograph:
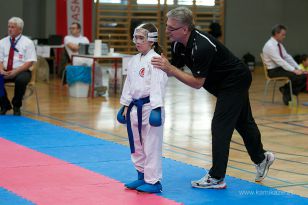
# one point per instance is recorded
(280, 51)
(11, 56)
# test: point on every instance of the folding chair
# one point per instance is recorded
(275, 80)
(31, 87)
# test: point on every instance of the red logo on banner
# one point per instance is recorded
(141, 72)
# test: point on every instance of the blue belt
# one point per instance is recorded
(1, 86)
(138, 103)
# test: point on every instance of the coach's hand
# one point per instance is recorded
(161, 62)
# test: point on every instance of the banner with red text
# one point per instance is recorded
(69, 11)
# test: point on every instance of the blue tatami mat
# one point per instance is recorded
(9, 198)
(113, 160)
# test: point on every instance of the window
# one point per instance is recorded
(169, 2)
(109, 1)
(198, 2)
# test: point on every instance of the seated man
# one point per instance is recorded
(72, 45)
(17, 54)
(72, 42)
(281, 64)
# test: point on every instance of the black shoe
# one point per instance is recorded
(286, 99)
(4, 110)
(282, 90)
(285, 95)
(16, 111)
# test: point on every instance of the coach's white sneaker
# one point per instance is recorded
(207, 182)
(263, 167)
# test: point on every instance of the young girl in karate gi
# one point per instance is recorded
(143, 112)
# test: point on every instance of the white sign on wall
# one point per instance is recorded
(74, 13)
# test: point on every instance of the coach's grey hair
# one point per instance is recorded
(18, 21)
(182, 15)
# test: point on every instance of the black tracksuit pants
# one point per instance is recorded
(233, 111)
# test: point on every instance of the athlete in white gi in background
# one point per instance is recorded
(145, 88)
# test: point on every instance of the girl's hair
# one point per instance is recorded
(152, 28)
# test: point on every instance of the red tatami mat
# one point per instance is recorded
(46, 180)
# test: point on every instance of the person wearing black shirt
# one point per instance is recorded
(222, 74)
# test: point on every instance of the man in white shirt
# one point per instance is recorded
(17, 55)
(72, 45)
(281, 64)
(73, 40)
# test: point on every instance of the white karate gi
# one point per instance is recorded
(144, 80)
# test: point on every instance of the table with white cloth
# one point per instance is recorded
(115, 57)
